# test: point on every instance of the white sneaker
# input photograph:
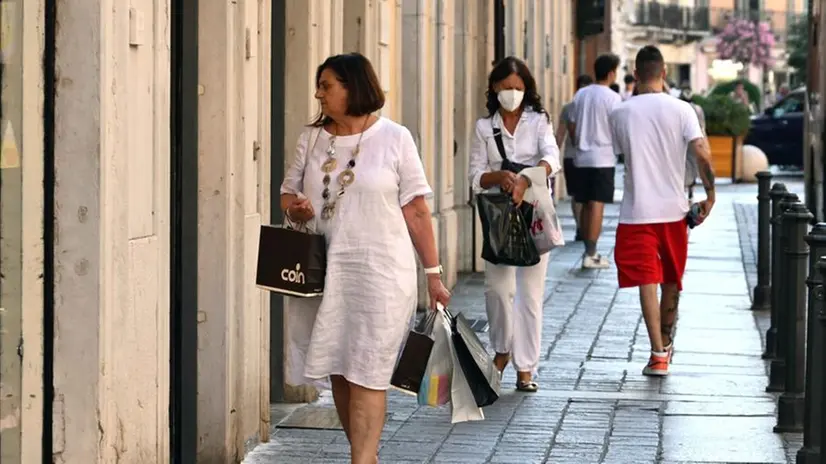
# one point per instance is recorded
(595, 262)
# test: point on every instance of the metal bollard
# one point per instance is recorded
(776, 194)
(777, 369)
(812, 420)
(821, 357)
(791, 404)
(761, 300)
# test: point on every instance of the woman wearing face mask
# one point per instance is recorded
(518, 125)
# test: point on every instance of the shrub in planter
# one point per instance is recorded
(726, 88)
(726, 123)
(724, 116)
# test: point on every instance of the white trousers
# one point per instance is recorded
(513, 299)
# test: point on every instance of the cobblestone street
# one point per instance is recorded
(594, 405)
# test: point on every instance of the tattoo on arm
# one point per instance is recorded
(703, 152)
(707, 174)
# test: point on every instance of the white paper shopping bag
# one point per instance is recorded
(462, 403)
(546, 229)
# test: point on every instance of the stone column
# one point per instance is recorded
(307, 44)
(112, 197)
(234, 185)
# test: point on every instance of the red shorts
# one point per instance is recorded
(651, 253)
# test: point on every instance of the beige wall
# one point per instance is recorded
(233, 329)
(473, 44)
(725, 4)
(432, 59)
(549, 35)
(112, 233)
(29, 415)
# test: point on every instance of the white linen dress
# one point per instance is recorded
(357, 327)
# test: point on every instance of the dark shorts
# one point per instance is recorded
(595, 184)
(571, 182)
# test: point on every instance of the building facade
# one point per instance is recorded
(143, 147)
(675, 27)
(780, 15)
(684, 31)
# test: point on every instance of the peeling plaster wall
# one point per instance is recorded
(234, 135)
(112, 232)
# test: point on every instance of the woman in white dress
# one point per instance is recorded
(358, 179)
(514, 295)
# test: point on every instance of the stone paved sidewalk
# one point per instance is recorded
(746, 216)
(594, 406)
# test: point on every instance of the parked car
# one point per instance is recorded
(778, 131)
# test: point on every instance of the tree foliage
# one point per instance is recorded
(746, 42)
(797, 45)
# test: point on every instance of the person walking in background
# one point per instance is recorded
(517, 128)
(358, 179)
(628, 91)
(654, 130)
(595, 159)
(740, 95)
(565, 135)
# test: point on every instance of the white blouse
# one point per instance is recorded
(532, 141)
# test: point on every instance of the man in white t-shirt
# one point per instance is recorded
(653, 131)
(628, 92)
(595, 159)
(563, 129)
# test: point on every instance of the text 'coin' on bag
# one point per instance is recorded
(291, 262)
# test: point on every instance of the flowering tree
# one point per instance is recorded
(746, 42)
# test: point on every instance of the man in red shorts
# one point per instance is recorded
(652, 131)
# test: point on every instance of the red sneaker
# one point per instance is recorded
(657, 365)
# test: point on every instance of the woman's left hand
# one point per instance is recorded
(437, 291)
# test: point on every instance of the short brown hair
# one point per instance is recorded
(604, 65)
(650, 63)
(356, 73)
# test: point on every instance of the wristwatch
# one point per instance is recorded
(434, 270)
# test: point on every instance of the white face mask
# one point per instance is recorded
(510, 99)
